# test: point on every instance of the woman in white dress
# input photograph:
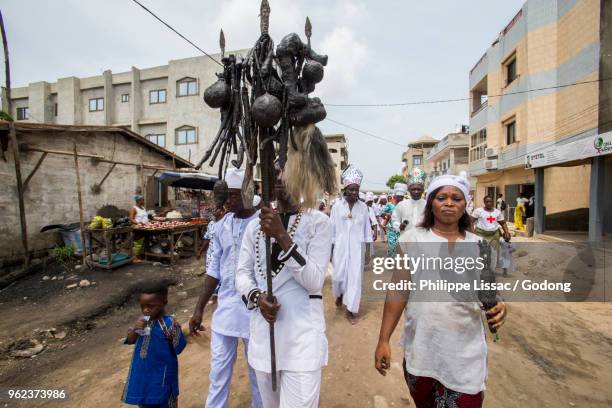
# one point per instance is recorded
(445, 352)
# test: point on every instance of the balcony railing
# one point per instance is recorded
(441, 145)
(481, 107)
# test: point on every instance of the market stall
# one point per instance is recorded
(171, 239)
(179, 233)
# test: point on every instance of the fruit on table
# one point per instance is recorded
(100, 222)
(157, 225)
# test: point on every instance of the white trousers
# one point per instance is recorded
(223, 353)
(295, 389)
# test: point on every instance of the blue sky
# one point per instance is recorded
(380, 52)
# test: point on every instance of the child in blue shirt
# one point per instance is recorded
(153, 376)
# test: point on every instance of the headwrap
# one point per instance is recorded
(400, 189)
(352, 175)
(234, 178)
(138, 197)
(460, 182)
(369, 197)
(416, 176)
(362, 196)
(256, 200)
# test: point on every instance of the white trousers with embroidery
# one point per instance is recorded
(295, 389)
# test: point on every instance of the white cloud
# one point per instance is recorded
(240, 22)
(347, 59)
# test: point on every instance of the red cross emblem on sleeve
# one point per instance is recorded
(491, 219)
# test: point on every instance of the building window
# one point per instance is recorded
(510, 67)
(187, 87)
(158, 139)
(23, 113)
(125, 98)
(157, 96)
(96, 104)
(478, 145)
(186, 135)
(55, 109)
(510, 132)
(417, 160)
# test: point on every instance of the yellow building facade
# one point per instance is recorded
(537, 103)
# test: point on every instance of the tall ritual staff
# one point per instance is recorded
(266, 113)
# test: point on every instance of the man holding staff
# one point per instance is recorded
(301, 245)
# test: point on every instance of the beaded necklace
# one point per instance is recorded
(260, 235)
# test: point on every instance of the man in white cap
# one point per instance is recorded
(301, 246)
(230, 321)
(369, 200)
(382, 202)
(351, 229)
(409, 213)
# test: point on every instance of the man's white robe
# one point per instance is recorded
(349, 234)
(300, 340)
(408, 210)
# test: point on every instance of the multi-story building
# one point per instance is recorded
(540, 116)
(415, 155)
(336, 144)
(162, 103)
(449, 155)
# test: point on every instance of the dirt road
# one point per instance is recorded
(550, 354)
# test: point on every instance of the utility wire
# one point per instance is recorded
(424, 102)
(173, 29)
(365, 133)
(434, 101)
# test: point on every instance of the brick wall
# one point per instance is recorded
(51, 195)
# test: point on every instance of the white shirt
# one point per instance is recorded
(373, 220)
(301, 344)
(141, 215)
(231, 318)
(444, 340)
(487, 220)
(408, 210)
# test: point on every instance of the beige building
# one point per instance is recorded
(449, 156)
(336, 144)
(416, 153)
(163, 103)
(539, 121)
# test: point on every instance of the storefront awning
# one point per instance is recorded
(197, 181)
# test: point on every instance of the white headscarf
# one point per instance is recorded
(461, 183)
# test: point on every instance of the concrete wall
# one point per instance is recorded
(51, 197)
(122, 111)
(336, 144)
(566, 188)
(73, 94)
(92, 118)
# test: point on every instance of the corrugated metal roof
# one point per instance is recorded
(42, 127)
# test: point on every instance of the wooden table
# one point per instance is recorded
(107, 239)
(171, 233)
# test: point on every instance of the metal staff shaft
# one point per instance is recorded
(266, 175)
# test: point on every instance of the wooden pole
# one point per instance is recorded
(38, 163)
(22, 215)
(266, 154)
(80, 197)
(15, 146)
(142, 179)
(7, 66)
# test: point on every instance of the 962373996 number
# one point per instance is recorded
(12, 394)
